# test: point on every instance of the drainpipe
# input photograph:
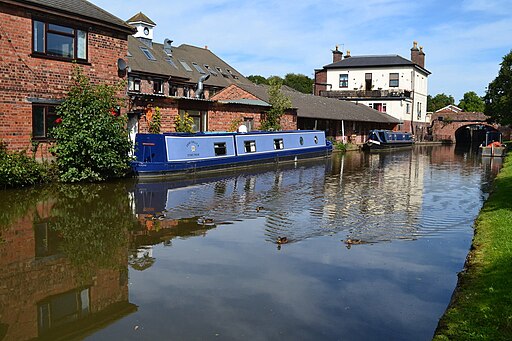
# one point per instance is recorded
(200, 88)
(343, 131)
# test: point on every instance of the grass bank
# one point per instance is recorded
(481, 307)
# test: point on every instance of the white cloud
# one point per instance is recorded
(461, 39)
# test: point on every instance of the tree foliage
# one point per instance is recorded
(91, 140)
(472, 102)
(498, 98)
(439, 101)
(257, 79)
(299, 82)
(279, 104)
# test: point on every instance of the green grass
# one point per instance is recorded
(481, 308)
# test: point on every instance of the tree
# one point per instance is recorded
(279, 104)
(472, 102)
(498, 98)
(91, 139)
(256, 79)
(299, 82)
(439, 101)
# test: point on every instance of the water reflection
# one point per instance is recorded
(373, 245)
(63, 261)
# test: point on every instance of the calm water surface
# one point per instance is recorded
(374, 246)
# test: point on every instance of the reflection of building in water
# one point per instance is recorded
(378, 196)
(41, 293)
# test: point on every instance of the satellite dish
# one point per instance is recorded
(121, 64)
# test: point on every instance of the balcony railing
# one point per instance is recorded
(349, 94)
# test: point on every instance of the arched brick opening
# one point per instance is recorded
(472, 134)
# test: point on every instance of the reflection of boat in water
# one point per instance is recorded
(191, 207)
(387, 139)
(175, 153)
(493, 145)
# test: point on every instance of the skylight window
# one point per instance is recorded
(185, 65)
(232, 74)
(198, 68)
(170, 61)
(210, 70)
(221, 72)
(147, 53)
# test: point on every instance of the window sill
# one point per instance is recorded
(61, 59)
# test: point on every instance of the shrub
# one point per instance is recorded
(17, 169)
(91, 139)
(184, 123)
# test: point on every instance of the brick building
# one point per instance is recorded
(40, 43)
(178, 80)
(341, 120)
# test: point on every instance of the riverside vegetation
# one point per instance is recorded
(481, 307)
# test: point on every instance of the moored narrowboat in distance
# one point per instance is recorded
(387, 139)
(175, 153)
(493, 145)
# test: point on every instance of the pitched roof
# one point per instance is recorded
(312, 106)
(77, 8)
(141, 17)
(373, 61)
(173, 64)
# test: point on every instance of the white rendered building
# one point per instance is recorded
(387, 83)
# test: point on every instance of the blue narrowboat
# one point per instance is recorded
(171, 153)
(387, 139)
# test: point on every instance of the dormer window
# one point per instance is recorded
(57, 41)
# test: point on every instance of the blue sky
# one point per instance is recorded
(464, 40)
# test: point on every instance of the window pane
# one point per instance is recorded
(59, 45)
(81, 44)
(59, 28)
(51, 117)
(38, 121)
(38, 36)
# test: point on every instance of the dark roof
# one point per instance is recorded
(312, 106)
(373, 61)
(139, 63)
(78, 8)
(142, 18)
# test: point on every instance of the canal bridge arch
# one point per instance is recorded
(460, 127)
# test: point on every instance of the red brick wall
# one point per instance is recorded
(320, 77)
(23, 76)
(223, 119)
(233, 92)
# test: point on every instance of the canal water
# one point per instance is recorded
(371, 247)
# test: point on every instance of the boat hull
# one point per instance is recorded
(237, 153)
(386, 146)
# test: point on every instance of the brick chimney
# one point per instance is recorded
(337, 55)
(415, 53)
(421, 58)
(348, 54)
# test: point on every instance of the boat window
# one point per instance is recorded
(301, 140)
(316, 139)
(278, 144)
(250, 146)
(220, 148)
(382, 136)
